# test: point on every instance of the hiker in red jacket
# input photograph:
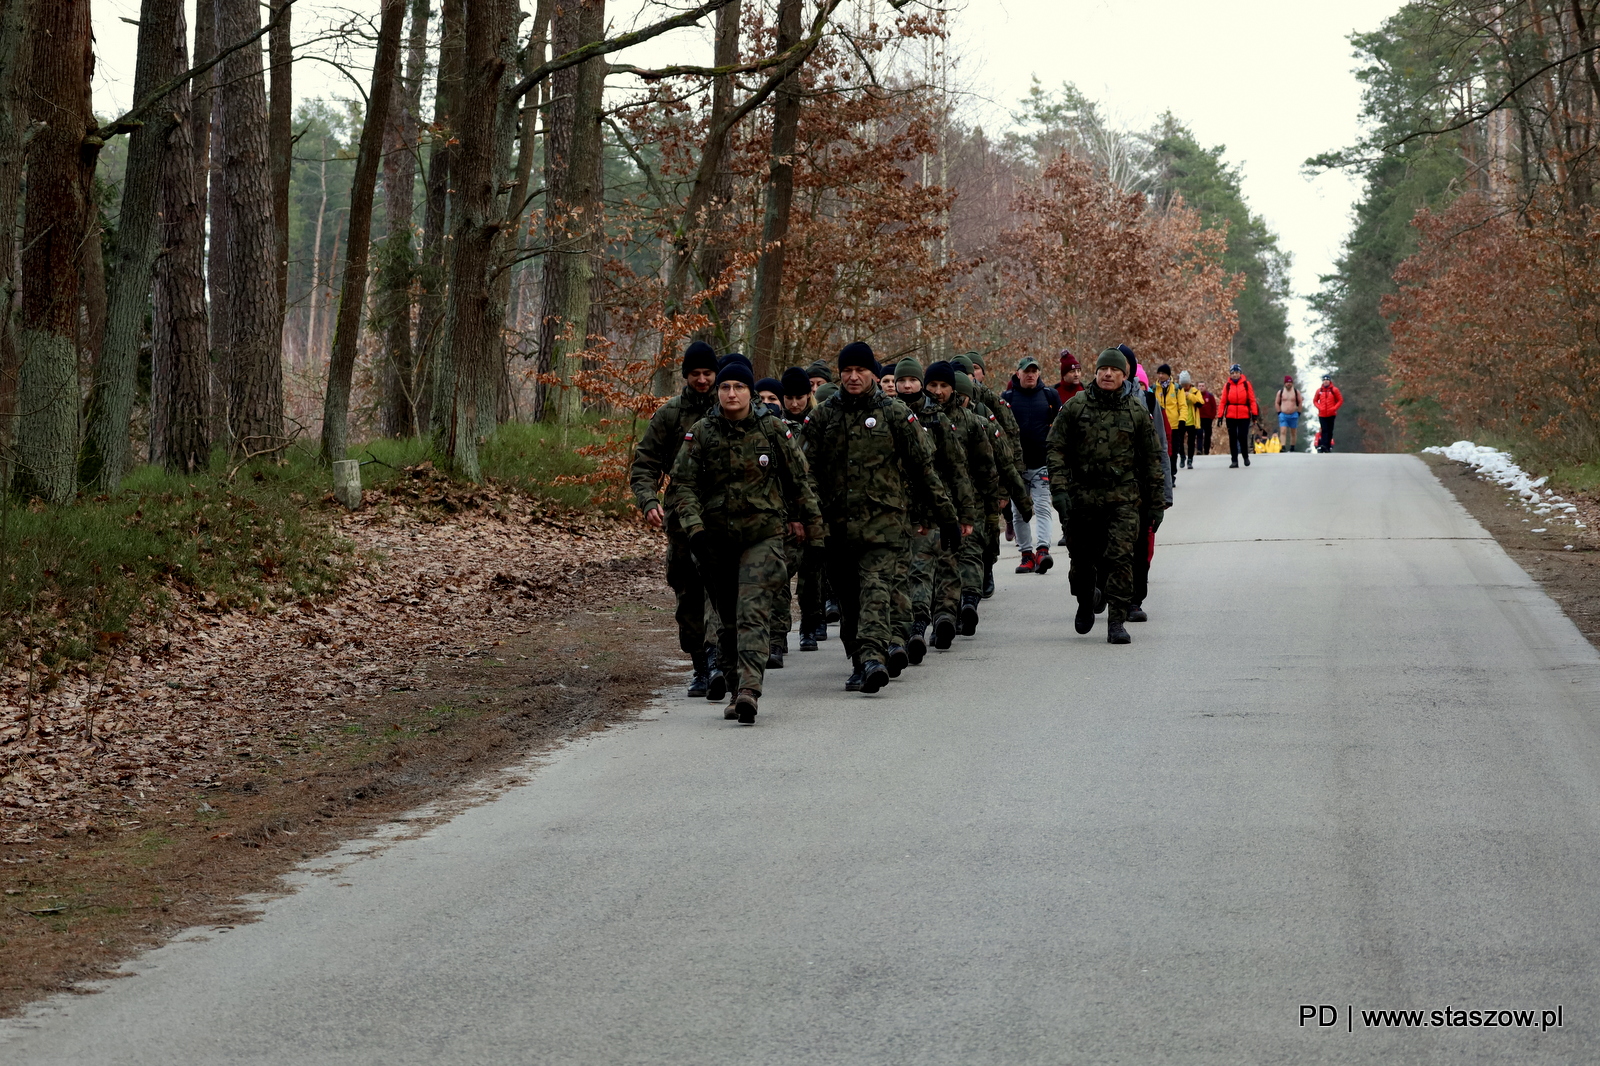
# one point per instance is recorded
(1238, 403)
(1071, 382)
(1328, 400)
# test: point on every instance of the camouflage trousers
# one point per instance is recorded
(973, 556)
(742, 583)
(862, 576)
(1101, 539)
(805, 564)
(927, 560)
(695, 615)
(901, 606)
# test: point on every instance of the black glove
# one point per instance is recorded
(703, 547)
(950, 537)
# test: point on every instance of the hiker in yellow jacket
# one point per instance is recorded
(1181, 401)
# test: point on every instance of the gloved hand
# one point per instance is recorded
(1025, 508)
(1155, 518)
(702, 545)
(950, 537)
(1063, 507)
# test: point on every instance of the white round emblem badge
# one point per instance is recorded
(871, 422)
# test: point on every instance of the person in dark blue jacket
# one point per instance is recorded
(1035, 405)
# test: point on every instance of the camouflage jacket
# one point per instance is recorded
(1102, 449)
(744, 479)
(1009, 473)
(658, 448)
(872, 468)
(950, 460)
(1011, 433)
(976, 438)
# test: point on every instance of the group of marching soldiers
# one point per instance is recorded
(879, 491)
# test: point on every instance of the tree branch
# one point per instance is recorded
(600, 48)
(1497, 105)
(133, 118)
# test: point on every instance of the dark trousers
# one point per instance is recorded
(1185, 439)
(1205, 436)
(1239, 438)
(1103, 550)
(1327, 433)
(684, 578)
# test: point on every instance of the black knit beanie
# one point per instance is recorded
(772, 385)
(736, 370)
(940, 371)
(699, 356)
(796, 382)
(859, 353)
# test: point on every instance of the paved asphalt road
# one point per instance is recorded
(1352, 759)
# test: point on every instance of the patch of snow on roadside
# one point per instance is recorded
(1499, 467)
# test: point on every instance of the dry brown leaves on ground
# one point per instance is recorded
(439, 575)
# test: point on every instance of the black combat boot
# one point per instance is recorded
(1117, 633)
(874, 675)
(1099, 600)
(775, 657)
(944, 631)
(917, 646)
(821, 632)
(988, 580)
(853, 684)
(808, 640)
(832, 612)
(969, 613)
(716, 682)
(897, 660)
(1083, 621)
(745, 706)
(1136, 613)
(701, 681)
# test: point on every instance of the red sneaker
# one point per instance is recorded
(1042, 562)
(1027, 564)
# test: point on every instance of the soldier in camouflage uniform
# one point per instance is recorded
(805, 560)
(652, 460)
(1007, 457)
(1105, 468)
(934, 577)
(871, 468)
(738, 485)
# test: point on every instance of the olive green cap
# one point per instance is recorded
(963, 362)
(964, 384)
(908, 368)
(1112, 358)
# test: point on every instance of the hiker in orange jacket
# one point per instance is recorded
(1239, 407)
(1328, 400)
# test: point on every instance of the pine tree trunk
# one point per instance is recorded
(352, 295)
(313, 303)
(280, 139)
(397, 265)
(465, 373)
(581, 211)
(219, 272)
(558, 117)
(255, 319)
(437, 209)
(60, 172)
(180, 377)
(14, 56)
(106, 445)
(780, 194)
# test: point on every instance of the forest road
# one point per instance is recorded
(1352, 760)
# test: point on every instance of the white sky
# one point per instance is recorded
(1269, 79)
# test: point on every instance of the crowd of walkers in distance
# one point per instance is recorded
(878, 496)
